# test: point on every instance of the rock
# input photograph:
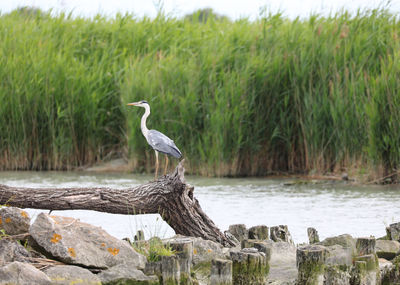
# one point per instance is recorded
(206, 250)
(126, 274)
(258, 232)
(249, 267)
(283, 262)
(387, 249)
(69, 274)
(346, 241)
(281, 233)
(221, 272)
(239, 231)
(22, 274)
(261, 246)
(14, 221)
(339, 255)
(312, 235)
(12, 251)
(334, 275)
(365, 246)
(77, 243)
(170, 270)
(310, 261)
(394, 230)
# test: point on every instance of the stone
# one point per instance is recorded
(70, 274)
(11, 250)
(183, 249)
(239, 231)
(334, 275)
(346, 241)
(126, 274)
(394, 230)
(313, 236)
(170, 270)
(77, 243)
(205, 251)
(258, 232)
(249, 267)
(221, 272)
(22, 274)
(365, 246)
(281, 233)
(387, 249)
(261, 246)
(282, 263)
(310, 261)
(339, 255)
(14, 221)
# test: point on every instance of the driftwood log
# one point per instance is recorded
(168, 196)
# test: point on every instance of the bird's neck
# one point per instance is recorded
(143, 126)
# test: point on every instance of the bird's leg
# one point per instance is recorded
(166, 164)
(155, 175)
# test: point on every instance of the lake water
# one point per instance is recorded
(332, 209)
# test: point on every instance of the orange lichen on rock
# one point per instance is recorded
(72, 252)
(24, 214)
(194, 251)
(8, 220)
(103, 244)
(113, 251)
(56, 238)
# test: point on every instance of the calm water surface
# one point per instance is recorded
(332, 209)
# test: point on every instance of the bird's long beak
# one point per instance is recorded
(133, 104)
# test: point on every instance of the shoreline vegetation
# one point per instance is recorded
(240, 98)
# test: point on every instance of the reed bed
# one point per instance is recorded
(317, 95)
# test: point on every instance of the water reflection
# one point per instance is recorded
(331, 208)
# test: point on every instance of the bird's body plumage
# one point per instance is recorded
(162, 143)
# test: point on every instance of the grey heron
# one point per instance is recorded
(157, 140)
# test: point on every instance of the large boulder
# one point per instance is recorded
(77, 243)
(70, 274)
(387, 249)
(14, 221)
(126, 274)
(22, 274)
(12, 251)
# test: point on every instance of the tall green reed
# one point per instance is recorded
(239, 98)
